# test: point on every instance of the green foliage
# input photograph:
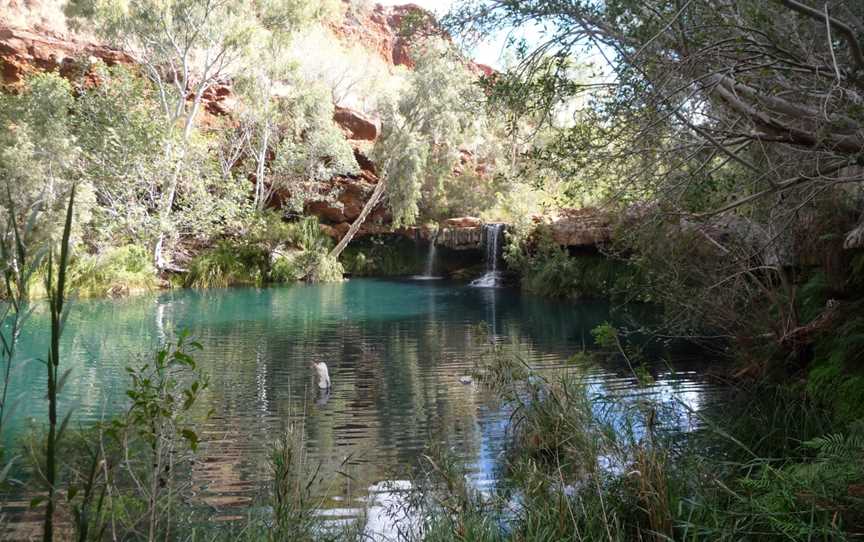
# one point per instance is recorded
(307, 258)
(228, 264)
(584, 466)
(18, 266)
(56, 287)
(292, 142)
(421, 132)
(323, 267)
(307, 235)
(549, 270)
(272, 251)
(115, 272)
(606, 336)
(312, 148)
(383, 256)
(161, 403)
(116, 124)
(129, 473)
(308, 266)
(293, 516)
(835, 377)
(40, 160)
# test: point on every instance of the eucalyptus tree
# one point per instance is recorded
(421, 133)
(40, 158)
(744, 118)
(270, 87)
(312, 148)
(186, 48)
(117, 127)
(289, 139)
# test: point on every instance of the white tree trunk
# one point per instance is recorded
(355, 226)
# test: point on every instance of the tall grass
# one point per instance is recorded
(228, 264)
(115, 272)
(586, 466)
(18, 269)
(273, 252)
(56, 289)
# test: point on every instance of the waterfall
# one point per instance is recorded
(430, 261)
(492, 244)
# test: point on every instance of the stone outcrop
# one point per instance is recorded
(23, 52)
(462, 222)
(355, 125)
(350, 195)
(458, 237)
(378, 30)
(586, 227)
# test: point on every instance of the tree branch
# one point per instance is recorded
(841, 27)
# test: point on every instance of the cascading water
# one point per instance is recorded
(428, 272)
(492, 242)
(430, 260)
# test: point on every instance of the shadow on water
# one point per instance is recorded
(395, 350)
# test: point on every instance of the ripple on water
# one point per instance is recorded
(395, 349)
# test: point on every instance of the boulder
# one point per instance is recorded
(350, 197)
(355, 125)
(460, 238)
(338, 231)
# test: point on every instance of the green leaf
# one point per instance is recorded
(191, 437)
(5, 472)
(63, 425)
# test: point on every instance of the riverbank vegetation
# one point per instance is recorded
(583, 465)
(721, 141)
(188, 162)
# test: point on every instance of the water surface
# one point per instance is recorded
(395, 349)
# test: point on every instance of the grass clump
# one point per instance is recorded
(582, 464)
(274, 251)
(115, 272)
(228, 264)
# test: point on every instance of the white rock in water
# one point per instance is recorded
(323, 375)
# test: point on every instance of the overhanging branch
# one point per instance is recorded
(841, 27)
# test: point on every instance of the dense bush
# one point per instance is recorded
(116, 271)
(550, 270)
(228, 264)
(274, 251)
(587, 466)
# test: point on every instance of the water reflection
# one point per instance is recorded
(395, 350)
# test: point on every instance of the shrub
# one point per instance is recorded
(228, 264)
(324, 268)
(549, 270)
(114, 272)
(305, 265)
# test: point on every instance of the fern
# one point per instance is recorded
(837, 446)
